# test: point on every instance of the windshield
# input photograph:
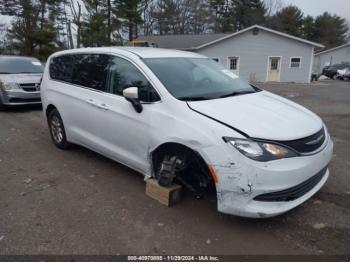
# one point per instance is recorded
(20, 65)
(197, 78)
(340, 66)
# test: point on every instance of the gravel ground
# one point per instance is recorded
(78, 202)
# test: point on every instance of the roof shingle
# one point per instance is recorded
(184, 42)
(195, 42)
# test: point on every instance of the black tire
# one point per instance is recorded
(57, 131)
(2, 106)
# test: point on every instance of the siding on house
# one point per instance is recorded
(332, 56)
(254, 51)
(253, 46)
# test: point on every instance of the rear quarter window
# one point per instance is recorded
(86, 70)
(61, 68)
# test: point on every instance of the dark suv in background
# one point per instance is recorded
(332, 71)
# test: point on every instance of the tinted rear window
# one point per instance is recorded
(61, 68)
(91, 71)
(20, 65)
(88, 70)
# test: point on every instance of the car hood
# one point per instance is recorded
(262, 115)
(20, 78)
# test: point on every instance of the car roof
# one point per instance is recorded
(148, 52)
(340, 65)
(17, 57)
(143, 52)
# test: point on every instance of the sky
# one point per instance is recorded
(316, 7)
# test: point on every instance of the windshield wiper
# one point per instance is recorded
(193, 98)
(238, 93)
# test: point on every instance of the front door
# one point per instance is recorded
(274, 69)
(124, 133)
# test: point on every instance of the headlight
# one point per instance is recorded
(10, 86)
(260, 151)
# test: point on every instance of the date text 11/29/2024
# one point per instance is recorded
(173, 258)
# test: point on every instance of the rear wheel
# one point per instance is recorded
(57, 131)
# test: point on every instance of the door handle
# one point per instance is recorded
(91, 102)
(95, 104)
(103, 106)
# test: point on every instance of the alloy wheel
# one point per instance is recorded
(56, 129)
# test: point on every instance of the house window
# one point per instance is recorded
(295, 62)
(274, 63)
(233, 63)
(216, 59)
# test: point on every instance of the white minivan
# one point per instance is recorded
(182, 117)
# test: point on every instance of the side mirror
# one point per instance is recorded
(132, 95)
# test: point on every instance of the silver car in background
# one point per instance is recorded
(20, 79)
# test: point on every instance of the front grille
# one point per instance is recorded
(307, 144)
(293, 192)
(30, 87)
(24, 100)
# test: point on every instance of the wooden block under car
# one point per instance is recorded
(168, 196)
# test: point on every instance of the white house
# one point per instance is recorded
(256, 53)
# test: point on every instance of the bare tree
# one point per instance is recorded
(273, 6)
(70, 35)
(147, 8)
(2, 35)
(2, 28)
(75, 8)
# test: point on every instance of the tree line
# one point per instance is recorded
(41, 27)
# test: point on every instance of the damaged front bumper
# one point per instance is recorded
(254, 189)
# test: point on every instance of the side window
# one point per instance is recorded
(123, 74)
(61, 68)
(90, 70)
